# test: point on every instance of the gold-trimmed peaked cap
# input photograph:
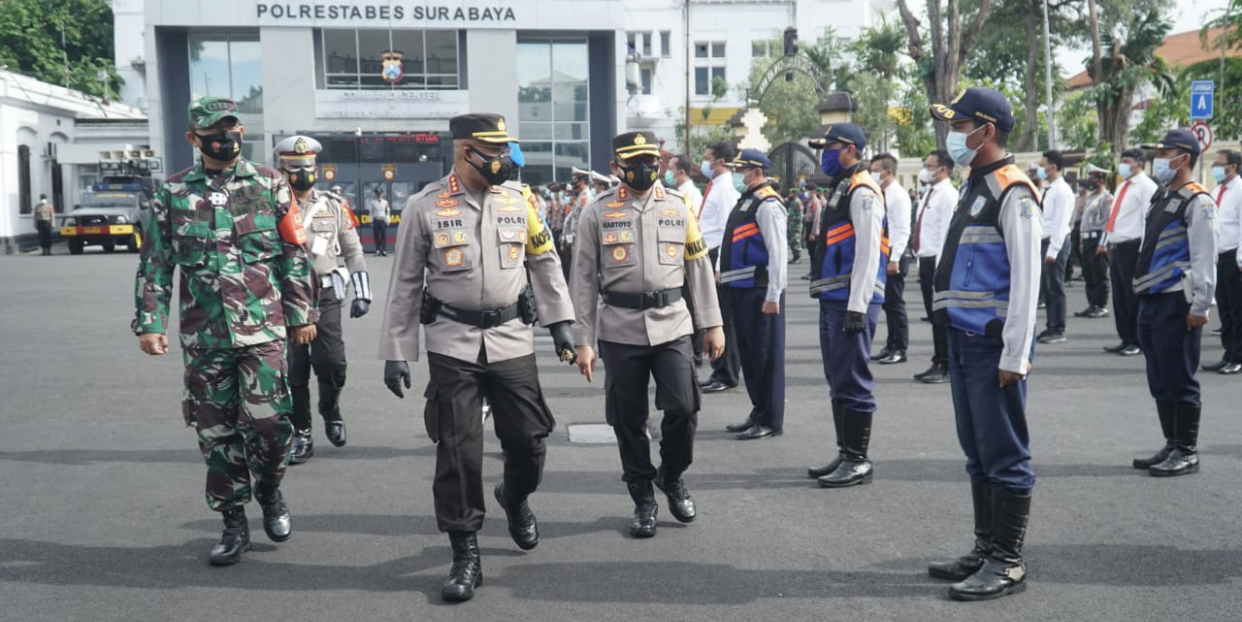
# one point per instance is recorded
(752, 158)
(481, 126)
(1179, 138)
(979, 104)
(298, 150)
(632, 144)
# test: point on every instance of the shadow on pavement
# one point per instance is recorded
(86, 457)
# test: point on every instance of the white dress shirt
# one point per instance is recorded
(1228, 208)
(694, 198)
(897, 203)
(717, 205)
(1132, 216)
(936, 211)
(1058, 209)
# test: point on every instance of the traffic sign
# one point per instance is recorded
(1204, 133)
(1202, 99)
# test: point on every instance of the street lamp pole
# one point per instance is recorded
(1052, 120)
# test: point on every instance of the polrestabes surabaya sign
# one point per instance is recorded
(396, 12)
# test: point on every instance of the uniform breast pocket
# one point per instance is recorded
(672, 245)
(257, 237)
(451, 250)
(191, 238)
(512, 242)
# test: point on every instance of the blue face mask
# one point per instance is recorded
(830, 162)
(706, 169)
(1041, 173)
(955, 144)
(668, 179)
(1218, 173)
(1123, 169)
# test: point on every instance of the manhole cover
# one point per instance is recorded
(592, 433)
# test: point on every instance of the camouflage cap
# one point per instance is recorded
(208, 111)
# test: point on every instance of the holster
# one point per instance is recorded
(527, 309)
(430, 308)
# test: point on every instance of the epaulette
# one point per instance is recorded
(767, 192)
(1191, 189)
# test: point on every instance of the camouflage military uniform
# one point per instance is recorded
(244, 278)
(794, 224)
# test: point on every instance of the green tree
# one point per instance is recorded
(789, 103)
(31, 32)
(1124, 38)
(875, 81)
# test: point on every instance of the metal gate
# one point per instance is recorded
(792, 162)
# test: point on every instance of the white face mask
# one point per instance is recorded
(956, 145)
(925, 176)
(1163, 169)
(1123, 169)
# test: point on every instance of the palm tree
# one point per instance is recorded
(1122, 62)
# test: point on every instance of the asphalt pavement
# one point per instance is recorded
(102, 514)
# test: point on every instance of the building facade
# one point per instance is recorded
(377, 80)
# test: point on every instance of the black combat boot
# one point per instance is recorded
(1003, 571)
(1184, 458)
(234, 541)
(277, 523)
(644, 523)
(970, 563)
(303, 447)
(522, 525)
(820, 471)
(1165, 411)
(330, 410)
(680, 505)
(854, 468)
(467, 571)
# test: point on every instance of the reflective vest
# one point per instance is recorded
(833, 263)
(1164, 258)
(972, 276)
(743, 253)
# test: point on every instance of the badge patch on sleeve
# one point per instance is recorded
(978, 205)
(1026, 203)
(453, 257)
(619, 253)
(538, 237)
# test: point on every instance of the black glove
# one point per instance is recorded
(394, 373)
(359, 308)
(855, 322)
(563, 342)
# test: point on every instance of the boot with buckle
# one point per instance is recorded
(1164, 410)
(970, 563)
(1184, 459)
(855, 468)
(1004, 571)
(820, 471)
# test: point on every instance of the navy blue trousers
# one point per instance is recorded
(761, 345)
(847, 357)
(1172, 351)
(991, 421)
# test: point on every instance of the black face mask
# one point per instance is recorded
(302, 180)
(230, 145)
(496, 170)
(641, 176)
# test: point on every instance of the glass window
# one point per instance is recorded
(23, 179)
(209, 68)
(353, 59)
(553, 104)
(701, 86)
(645, 75)
(718, 49)
(700, 50)
(758, 49)
(718, 72)
(231, 66)
(666, 43)
(630, 41)
(646, 44)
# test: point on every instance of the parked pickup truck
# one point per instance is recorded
(111, 213)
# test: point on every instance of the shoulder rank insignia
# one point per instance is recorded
(659, 192)
(454, 184)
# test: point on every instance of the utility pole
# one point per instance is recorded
(1052, 120)
(685, 24)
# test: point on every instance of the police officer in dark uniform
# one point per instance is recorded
(637, 245)
(331, 233)
(1175, 279)
(465, 248)
(849, 269)
(986, 292)
(753, 259)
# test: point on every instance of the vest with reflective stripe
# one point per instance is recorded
(833, 262)
(1164, 257)
(743, 253)
(972, 275)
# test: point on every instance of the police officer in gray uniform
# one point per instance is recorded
(330, 234)
(637, 245)
(464, 249)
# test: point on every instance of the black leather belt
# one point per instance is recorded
(642, 302)
(490, 318)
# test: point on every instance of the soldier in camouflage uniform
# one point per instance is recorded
(330, 228)
(232, 229)
(793, 206)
